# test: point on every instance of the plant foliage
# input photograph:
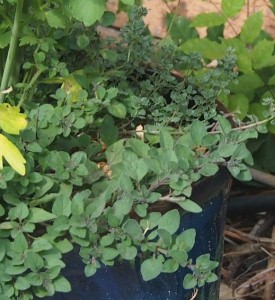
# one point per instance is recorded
(92, 180)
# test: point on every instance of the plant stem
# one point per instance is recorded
(12, 48)
(29, 86)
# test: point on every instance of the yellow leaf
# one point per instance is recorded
(72, 87)
(12, 155)
(11, 120)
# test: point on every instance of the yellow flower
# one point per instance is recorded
(12, 155)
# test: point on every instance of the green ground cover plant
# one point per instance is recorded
(94, 133)
(254, 49)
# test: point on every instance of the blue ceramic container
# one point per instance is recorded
(124, 281)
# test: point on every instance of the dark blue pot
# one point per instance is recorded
(124, 281)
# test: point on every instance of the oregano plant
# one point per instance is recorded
(111, 134)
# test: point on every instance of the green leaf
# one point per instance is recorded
(224, 124)
(186, 240)
(128, 2)
(56, 18)
(151, 268)
(34, 261)
(117, 109)
(180, 29)
(125, 183)
(227, 150)
(96, 207)
(141, 169)
(165, 237)
(61, 284)
(64, 246)
(20, 243)
(123, 206)
(230, 8)
(198, 132)
(87, 11)
(180, 256)
(209, 169)
(78, 202)
(262, 54)
(20, 212)
(170, 221)
(170, 266)
(133, 229)
(139, 147)
(82, 41)
(166, 139)
(208, 49)
(239, 105)
(208, 20)
(252, 28)
(41, 244)
(21, 283)
(108, 131)
(190, 206)
(109, 253)
(108, 18)
(189, 282)
(90, 270)
(128, 252)
(38, 215)
(241, 152)
(107, 240)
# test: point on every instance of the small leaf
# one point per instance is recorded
(180, 29)
(190, 206)
(224, 124)
(109, 253)
(38, 215)
(189, 282)
(209, 169)
(90, 270)
(208, 20)
(151, 268)
(117, 109)
(252, 28)
(20, 243)
(139, 147)
(186, 240)
(198, 132)
(87, 11)
(227, 150)
(41, 244)
(230, 8)
(170, 266)
(56, 18)
(166, 139)
(133, 229)
(21, 283)
(108, 131)
(179, 256)
(208, 49)
(61, 284)
(170, 221)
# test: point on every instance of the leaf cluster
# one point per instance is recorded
(90, 181)
(254, 50)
